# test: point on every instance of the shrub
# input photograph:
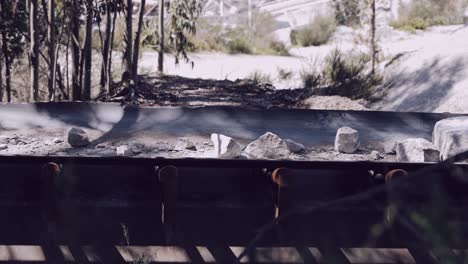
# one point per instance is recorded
(212, 36)
(259, 77)
(239, 45)
(317, 33)
(347, 12)
(421, 14)
(348, 76)
(284, 74)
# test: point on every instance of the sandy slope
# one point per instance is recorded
(432, 75)
(429, 73)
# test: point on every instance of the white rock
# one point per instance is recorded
(416, 150)
(390, 147)
(225, 147)
(268, 146)
(347, 140)
(123, 150)
(450, 136)
(3, 146)
(77, 137)
(4, 140)
(57, 140)
(294, 147)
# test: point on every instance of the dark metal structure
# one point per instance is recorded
(106, 202)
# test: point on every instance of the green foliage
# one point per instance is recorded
(317, 33)
(183, 17)
(239, 45)
(344, 75)
(258, 39)
(421, 14)
(349, 75)
(347, 12)
(14, 25)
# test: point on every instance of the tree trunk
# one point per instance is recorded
(105, 51)
(75, 50)
(161, 37)
(1, 71)
(6, 57)
(34, 49)
(1, 56)
(109, 68)
(136, 45)
(86, 96)
(373, 43)
(51, 42)
(127, 56)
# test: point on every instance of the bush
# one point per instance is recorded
(421, 14)
(258, 77)
(212, 36)
(239, 45)
(316, 33)
(347, 12)
(348, 76)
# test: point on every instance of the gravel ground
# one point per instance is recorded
(53, 142)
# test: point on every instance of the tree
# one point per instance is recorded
(87, 52)
(34, 49)
(373, 38)
(128, 43)
(161, 37)
(72, 22)
(183, 15)
(136, 45)
(13, 26)
(51, 46)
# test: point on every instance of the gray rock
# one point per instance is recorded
(416, 150)
(77, 137)
(450, 136)
(57, 140)
(137, 148)
(294, 147)
(185, 143)
(123, 150)
(225, 147)
(268, 146)
(3, 146)
(347, 140)
(375, 155)
(4, 140)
